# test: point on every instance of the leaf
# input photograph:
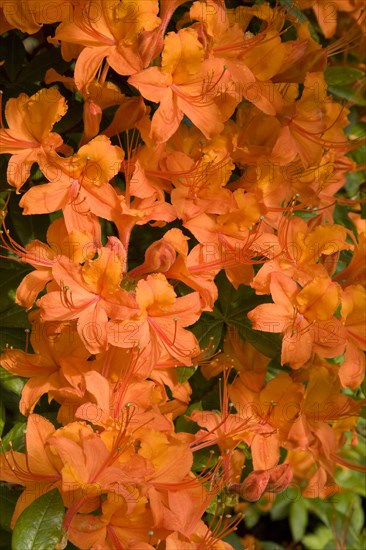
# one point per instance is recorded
(354, 181)
(13, 53)
(319, 539)
(27, 228)
(184, 373)
(9, 280)
(2, 417)
(182, 423)
(5, 540)
(15, 436)
(267, 545)
(252, 516)
(8, 499)
(294, 11)
(72, 117)
(14, 317)
(280, 508)
(10, 382)
(39, 526)
(36, 69)
(347, 92)
(208, 330)
(202, 460)
(234, 540)
(341, 217)
(298, 519)
(15, 337)
(342, 75)
(267, 343)
(363, 211)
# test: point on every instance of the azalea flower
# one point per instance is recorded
(88, 293)
(79, 185)
(184, 85)
(29, 138)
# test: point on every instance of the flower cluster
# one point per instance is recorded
(211, 130)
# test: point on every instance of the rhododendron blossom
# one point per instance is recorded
(183, 269)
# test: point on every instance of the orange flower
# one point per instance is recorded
(156, 321)
(28, 16)
(99, 95)
(303, 316)
(79, 185)
(274, 408)
(93, 464)
(352, 370)
(120, 523)
(310, 125)
(302, 252)
(190, 268)
(78, 246)
(29, 138)
(58, 365)
(327, 14)
(107, 30)
(38, 470)
(88, 293)
(184, 85)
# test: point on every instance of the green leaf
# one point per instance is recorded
(234, 540)
(349, 93)
(363, 387)
(319, 539)
(11, 275)
(15, 436)
(70, 120)
(27, 228)
(14, 337)
(5, 540)
(8, 499)
(353, 183)
(36, 69)
(267, 545)
(39, 526)
(182, 424)
(252, 516)
(363, 211)
(208, 331)
(184, 373)
(268, 343)
(2, 417)
(13, 53)
(298, 519)
(10, 382)
(14, 317)
(294, 11)
(280, 508)
(341, 217)
(202, 460)
(340, 76)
